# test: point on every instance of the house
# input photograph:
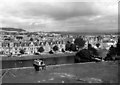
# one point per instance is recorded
(47, 47)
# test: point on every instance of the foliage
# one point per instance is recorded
(79, 42)
(73, 47)
(111, 53)
(55, 48)
(118, 47)
(22, 51)
(63, 50)
(92, 50)
(41, 49)
(36, 53)
(83, 55)
(98, 44)
(31, 39)
(1, 52)
(68, 46)
(112, 50)
(51, 52)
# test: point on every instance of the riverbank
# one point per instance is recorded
(27, 61)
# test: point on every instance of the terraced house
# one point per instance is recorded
(29, 47)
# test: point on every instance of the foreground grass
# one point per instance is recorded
(103, 72)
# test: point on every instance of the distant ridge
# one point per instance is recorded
(11, 29)
(84, 33)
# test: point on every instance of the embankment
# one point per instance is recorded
(27, 61)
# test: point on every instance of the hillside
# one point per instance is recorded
(11, 29)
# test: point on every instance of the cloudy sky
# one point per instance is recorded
(54, 15)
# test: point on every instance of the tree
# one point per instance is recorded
(83, 55)
(98, 44)
(55, 48)
(68, 46)
(73, 47)
(19, 37)
(92, 50)
(51, 52)
(1, 52)
(22, 51)
(79, 42)
(63, 50)
(41, 49)
(111, 53)
(31, 39)
(118, 47)
(112, 50)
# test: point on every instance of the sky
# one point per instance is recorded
(60, 15)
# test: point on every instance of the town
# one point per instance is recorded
(34, 43)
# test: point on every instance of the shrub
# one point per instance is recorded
(51, 52)
(22, 51)
(31, 39)
(63, 50)
(55, 48)
(98, 44)
(41, 49)
(36, 53)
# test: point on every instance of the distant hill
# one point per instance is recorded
(11, 29)
(84, 33)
